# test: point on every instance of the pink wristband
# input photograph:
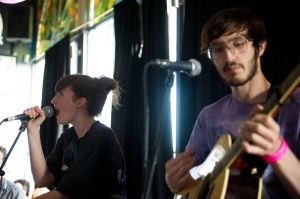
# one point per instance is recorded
(275, 157)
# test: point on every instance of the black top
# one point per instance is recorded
(90, 167)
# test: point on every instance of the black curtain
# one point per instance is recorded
(133, 24)
(282, 54)
(57, 64)
(155, 34)
(127, 120)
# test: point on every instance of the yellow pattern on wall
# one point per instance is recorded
(60, 17)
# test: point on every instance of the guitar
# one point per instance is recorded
(237, 174)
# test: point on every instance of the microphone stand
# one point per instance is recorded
(148, 177)
(21, 129)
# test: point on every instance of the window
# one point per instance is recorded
(100, 59)
(97, 56)
(21, 87)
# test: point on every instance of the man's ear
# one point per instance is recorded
(261, 47)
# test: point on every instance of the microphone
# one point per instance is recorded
(191, 67)
(48, 110)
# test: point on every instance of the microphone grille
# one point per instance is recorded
(48, 111)
(196, 67)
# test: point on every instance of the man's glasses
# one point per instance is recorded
(235, 46)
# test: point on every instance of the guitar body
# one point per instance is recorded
(228, 181)
(232, 186)
(191, 193)
(217, 189)
(202, 185)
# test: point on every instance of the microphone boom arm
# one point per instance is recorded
(21, 129)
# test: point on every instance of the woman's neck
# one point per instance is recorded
(83, 126)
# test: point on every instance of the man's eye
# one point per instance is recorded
(238, 44)
(218, 49)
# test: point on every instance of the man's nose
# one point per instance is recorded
(228, 54)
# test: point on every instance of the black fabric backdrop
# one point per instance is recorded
(57, 64)
(132, 28)
(127, 121)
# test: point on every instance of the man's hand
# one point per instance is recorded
(177, 171)
(260, 134)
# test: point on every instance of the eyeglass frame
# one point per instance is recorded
(230, 48)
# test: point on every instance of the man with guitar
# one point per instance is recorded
(234, 39)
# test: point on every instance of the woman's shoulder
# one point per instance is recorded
(102, 132)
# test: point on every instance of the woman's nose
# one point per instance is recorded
(53, 100)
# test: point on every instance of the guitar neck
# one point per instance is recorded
(283, 93)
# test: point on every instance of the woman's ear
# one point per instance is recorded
(80, 102)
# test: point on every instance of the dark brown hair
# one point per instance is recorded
(95, 90)
(233, 20)
(25, 184)
(3, 150)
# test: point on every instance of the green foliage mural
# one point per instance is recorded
(59, 17)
